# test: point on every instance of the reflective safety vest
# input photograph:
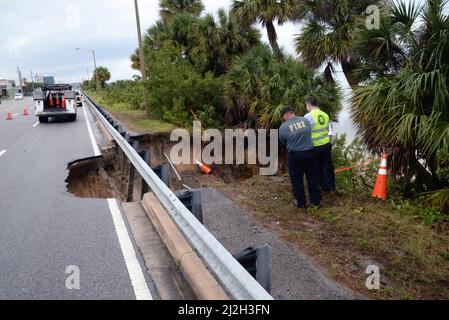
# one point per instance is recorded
(320, 133)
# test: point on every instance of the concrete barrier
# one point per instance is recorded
(194, 270)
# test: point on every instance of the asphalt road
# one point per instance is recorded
(44, 230)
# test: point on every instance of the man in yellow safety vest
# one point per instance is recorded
(321, 138)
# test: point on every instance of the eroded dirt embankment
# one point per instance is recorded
(107, 176)
(97, 177)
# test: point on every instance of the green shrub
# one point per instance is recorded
(359, 180)
(177, 90)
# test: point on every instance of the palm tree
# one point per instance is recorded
(265, 12)
(327, 36)
(405, 109)
(101, 74)
(178, 31)
(218, 42)
(170, 8)
(259, 85)
(385, 51)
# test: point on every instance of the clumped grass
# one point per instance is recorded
(135, 119)
(154, 126)
(413, 254)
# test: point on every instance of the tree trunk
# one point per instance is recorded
(422, 175)
(272, 37)
(348, 69)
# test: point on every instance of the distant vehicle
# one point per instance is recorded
(79, 99)
(18, 96)
(55, 101)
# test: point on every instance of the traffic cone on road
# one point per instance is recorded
(203, 167)
(380, 189)
(9, 116)
(25, 111)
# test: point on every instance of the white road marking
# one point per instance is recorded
(15, 114)
(135, 272)
(36, 124)
(92, 138)
(2, 152)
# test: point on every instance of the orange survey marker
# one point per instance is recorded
(354, 167)
(380, 189)
(203, 167)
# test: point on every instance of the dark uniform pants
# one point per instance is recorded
(300, 163)
(325, 167)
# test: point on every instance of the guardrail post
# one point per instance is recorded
(192, 200)
(163, 172)
(145, 188)
(131, 176)
(125, 161)
(257, 261)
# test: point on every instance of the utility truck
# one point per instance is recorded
(55, 101)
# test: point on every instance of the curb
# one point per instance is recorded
(197, 275)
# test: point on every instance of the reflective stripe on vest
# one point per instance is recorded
(320, 133)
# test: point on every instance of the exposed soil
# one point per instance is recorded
(97, 178)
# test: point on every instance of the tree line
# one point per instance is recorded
(217, 68)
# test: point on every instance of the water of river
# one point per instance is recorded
(345, 124)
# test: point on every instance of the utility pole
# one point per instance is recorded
(32, 80)
(19, 73)
(142, 62)
(95, 63)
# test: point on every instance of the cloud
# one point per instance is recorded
(42, 36)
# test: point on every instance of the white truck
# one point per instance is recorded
(55, 101)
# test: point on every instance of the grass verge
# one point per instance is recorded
(134, 119)
(352, 232)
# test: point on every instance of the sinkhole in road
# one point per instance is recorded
(95, 177)
(107, 176)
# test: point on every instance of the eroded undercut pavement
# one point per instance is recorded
(295, 275)
(95, 177)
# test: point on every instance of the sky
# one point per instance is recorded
(41, 37)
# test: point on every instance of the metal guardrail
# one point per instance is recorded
(234, 278)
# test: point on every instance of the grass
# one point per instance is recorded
(134, 119)
(352, 231)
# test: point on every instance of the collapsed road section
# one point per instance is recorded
(283, 271)
(211, 271)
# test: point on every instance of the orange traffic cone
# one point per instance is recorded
(380, 189)
(63, 103)
(9, 116)
(57, 99)
(203, 167)
(51, 100)
(25, 111)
